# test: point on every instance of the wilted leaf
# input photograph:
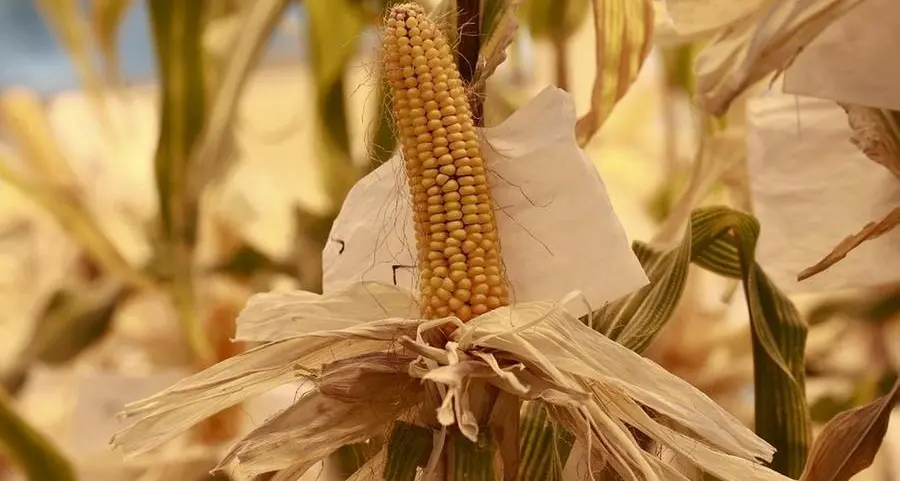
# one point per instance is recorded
(259, 22)
(498, 33)
(694, 19)
(849, 442)
(876, 133)
(106, 16)
(624, 30)
(36, 456)
(754, 44)
(872, 230)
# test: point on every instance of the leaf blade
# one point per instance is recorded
(849, 441)
(624, 31)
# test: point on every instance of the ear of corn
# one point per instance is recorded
(460, 271)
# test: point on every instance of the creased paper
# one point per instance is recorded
(811, 188)
(558, 231)
(849, 62)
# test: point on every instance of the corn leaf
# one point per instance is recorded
(177, 31)
(408, 449)
(876, 132)
(871, 231)
(849, 442)
(334, 30)
(259, 22)
(544, 446)
(724, 242)
(66, 19)
(624, 30)
(470, 461)
(56, 191)
(499, 25)
(754, 44)
(36, 456)
(539, 17)
(634, 320)
(106, 16)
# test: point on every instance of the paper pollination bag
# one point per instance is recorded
(811, 188)
(851, 60)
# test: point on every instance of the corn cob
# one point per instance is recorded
(460, 271)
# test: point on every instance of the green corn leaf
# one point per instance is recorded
(542, 17)
(470, 461)
(37, 458)
(408, 449)
(654, 303)
(177, 30)
(725, 242)
(544, 446)
(334, 30)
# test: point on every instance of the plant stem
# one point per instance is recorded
(558, 39)
(469, 23)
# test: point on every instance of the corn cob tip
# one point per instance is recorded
(460, 271)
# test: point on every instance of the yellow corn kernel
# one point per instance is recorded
(456, 236)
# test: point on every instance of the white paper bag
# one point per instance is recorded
(811, 188)
(853, 60)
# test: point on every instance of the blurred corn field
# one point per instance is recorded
(162, 161)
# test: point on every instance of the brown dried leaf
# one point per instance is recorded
(876, 133)
(871, 231)
(624, 30)
(361, 378)
(849, 442)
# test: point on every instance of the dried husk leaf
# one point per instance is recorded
(849, 442)
(755, 44)
(872, 230)
(876, 132)
(546, 345)
(624, 30)
(310, 429)
(171, 412)
(360, 378)
(276, 316)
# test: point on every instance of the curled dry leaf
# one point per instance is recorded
(849, 442)
(749, 44)
(876, 133)
(871, 231)
(624, 30)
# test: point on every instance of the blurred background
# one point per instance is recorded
(156, 170)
